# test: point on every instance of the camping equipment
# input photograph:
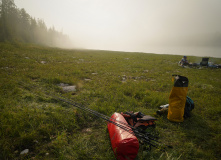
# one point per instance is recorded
(147, 139)
(189, 106)
(124, 144)
(164, 106)
(177, 99)
(139, 120)
(121, 130)
(163, 109)
(204, 62)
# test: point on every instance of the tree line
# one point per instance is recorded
(16, 25)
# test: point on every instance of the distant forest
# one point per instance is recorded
(16, 25)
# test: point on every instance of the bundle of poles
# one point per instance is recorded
(145, 138)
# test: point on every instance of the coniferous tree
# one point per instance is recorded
(24, 26)
(17, 25)
(6, 11)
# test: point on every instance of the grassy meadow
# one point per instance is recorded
(107, 82)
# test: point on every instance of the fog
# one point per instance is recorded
(190, 27)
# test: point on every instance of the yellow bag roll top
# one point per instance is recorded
(177, 99)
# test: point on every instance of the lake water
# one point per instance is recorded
(193, 51)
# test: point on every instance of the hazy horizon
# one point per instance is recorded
(135, 26)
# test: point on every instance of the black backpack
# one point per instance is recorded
(189, 106)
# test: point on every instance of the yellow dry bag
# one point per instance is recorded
(177, 99)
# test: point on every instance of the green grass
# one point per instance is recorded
(119, 81)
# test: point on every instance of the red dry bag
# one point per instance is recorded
(124, 144)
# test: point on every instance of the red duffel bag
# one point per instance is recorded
(124, 144)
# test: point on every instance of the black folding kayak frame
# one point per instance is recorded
(144, 138)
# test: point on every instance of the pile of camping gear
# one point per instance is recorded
(180, 105)
(204, 63)
(126, 144)
(127, 130)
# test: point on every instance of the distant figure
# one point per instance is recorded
(184, 61)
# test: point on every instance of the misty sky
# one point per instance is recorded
(130, 25)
